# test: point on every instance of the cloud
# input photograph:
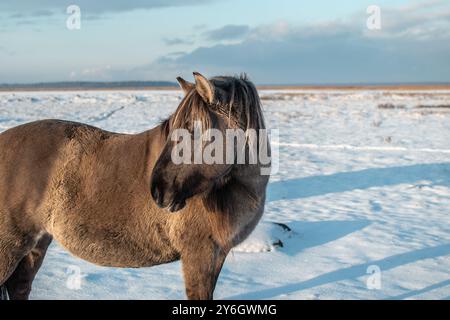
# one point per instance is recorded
(176, 54)
(177, 41)
(426, 18)
(411, 47)
(201, 26)
(16, 16)
(42, 13)
(228, 32)
(26, 22)
(6, 51)
(24, 11)
(97, 73)
(99, 6)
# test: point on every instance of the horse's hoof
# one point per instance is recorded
(3, 293)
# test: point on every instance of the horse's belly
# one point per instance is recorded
(116, 249)
(120, 255)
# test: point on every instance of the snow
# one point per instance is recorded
(359, 188)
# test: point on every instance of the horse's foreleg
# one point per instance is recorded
(201, 268)
(19, 283)
(3, 293)
(12, 249)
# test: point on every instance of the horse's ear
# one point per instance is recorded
(185, 85)
(204, 88)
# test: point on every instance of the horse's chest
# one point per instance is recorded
(245, 228)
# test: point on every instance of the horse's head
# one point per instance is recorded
(197, 153)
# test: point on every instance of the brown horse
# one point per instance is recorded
(92, 191)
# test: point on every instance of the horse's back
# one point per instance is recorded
(38, 142)
(30, 154)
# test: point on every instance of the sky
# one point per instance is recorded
(273, 41)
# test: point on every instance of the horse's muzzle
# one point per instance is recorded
(165, 198)
(176, 206)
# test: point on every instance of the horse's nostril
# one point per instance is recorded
(157, 194)
(177, 206)
(153, 191)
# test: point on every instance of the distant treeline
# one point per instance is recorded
(94, 85)
(90, 85)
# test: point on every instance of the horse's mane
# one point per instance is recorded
(235, 97)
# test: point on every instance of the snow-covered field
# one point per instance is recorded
(363, 188)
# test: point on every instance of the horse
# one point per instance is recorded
(118, 200)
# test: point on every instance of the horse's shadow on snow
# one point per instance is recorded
(437, 173)
(319, 233)
(417, 292)
(309, 234)
(352, 273)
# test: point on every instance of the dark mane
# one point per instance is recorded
(235, 97)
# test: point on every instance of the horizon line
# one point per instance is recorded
(156, 84)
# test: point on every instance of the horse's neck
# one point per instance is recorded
(136, 150)
(154, 140)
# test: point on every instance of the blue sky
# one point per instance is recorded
(274, 41)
